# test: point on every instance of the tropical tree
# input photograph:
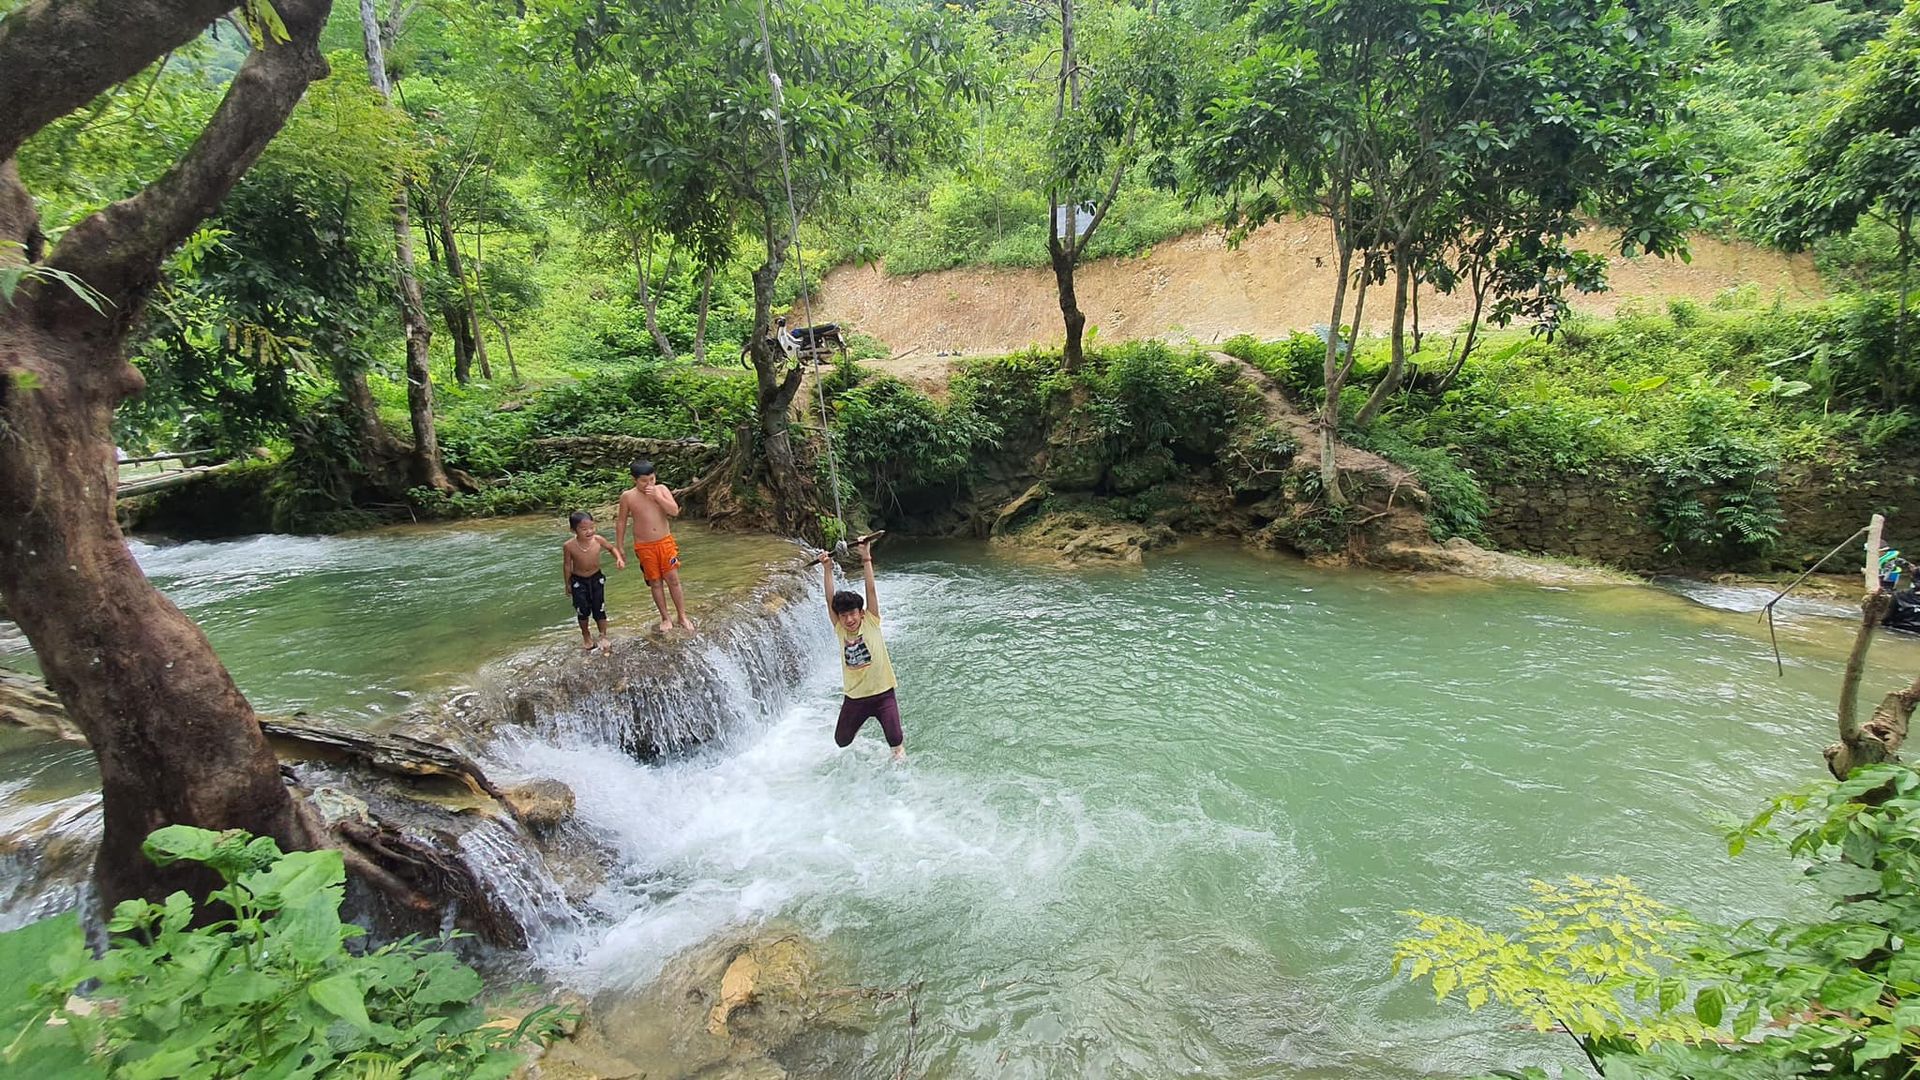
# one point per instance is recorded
(174, 739)
(1420, 128)
(378, 37)
(680, 94)
(1121, 94)
(1861, 159)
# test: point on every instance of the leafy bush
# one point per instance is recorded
(1298, 362)
(1014, 392)
(1653, 995)
(1456, 505)
(1146, 394)
(271, 990)
(901, 439)
(661, 401)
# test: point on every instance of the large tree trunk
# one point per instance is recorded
(1334, 374)
(1397, 367)
(1070, 313)
(426, 469)
(376, 443)
(174, 739)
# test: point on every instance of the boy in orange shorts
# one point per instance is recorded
(650, 504)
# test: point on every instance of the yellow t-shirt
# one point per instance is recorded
(863, 658)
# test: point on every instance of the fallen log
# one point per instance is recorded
(395, 755)
(150, 484)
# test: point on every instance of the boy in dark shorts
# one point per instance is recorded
(586, 583)
(865, 668)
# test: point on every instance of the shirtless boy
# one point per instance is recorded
(650, 504)
(586, 582)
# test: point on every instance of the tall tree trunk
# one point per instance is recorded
(700, 326)
(775, 383)
(1397, 367)
(1063, 207)
(1478, 281)
(426, 469)
(649, 304)
(1359, 321)
(174, 739)
(1063, 259)
(1334, 374)
(461, 323)
(1416, 314)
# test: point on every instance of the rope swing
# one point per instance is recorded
(799, 263)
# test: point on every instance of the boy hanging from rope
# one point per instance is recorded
(865, 668)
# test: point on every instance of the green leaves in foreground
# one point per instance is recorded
(1653, 996)
(1592, 957)
(271, 992)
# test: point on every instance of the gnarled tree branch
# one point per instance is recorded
(57, 55)
(117, 250)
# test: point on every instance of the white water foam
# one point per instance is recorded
(777, 820)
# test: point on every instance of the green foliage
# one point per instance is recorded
(1596, 958)
(1716, 499)
(901, 439)
(1649, 994)
(1298, 363)
(1147, 395)
(649, 401)
(1457, 505)
(1863, 153)
(267, 989)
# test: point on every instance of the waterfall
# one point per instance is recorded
(656, 700)
(664, 698)
(501, 856)
(46, 857)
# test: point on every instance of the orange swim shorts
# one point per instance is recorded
(656, 557)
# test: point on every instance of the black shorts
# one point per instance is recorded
(589, 597)
(855, 712)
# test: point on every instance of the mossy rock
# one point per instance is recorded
(1076, 466)
(1138, 472)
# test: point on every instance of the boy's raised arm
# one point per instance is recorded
(866, 567)
(826, 562)
(667, 502)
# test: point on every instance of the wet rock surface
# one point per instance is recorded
(753, 1005)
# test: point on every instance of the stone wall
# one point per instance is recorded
(1606, 515)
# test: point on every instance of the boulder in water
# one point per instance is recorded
(727, 1008)
(541, 805)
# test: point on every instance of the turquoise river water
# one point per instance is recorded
(1157, 822)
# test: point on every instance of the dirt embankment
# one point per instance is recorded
(1194, 288)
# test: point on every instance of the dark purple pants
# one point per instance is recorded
(856, 711)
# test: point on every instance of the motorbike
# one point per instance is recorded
(1904, 613)
(803, 345)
